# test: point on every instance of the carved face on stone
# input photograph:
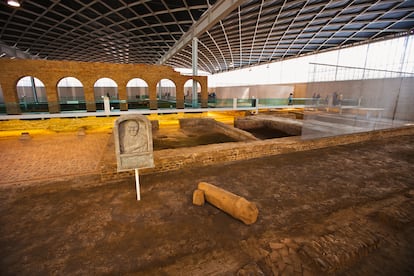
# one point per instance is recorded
(132, 127)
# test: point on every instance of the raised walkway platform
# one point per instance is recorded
(139, 111)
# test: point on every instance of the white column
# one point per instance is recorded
(107, 105)
(195, 72)
(234, 103)
(137, 184)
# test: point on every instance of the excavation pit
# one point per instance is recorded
(264, 133)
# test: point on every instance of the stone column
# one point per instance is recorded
(89, 97)
(123, 97)
(52, 97)
(204, 93)
(11, 99)
(179, 95)
(152, 90)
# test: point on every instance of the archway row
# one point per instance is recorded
(33, 96)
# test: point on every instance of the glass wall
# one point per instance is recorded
(385, 59)
(166, 94)
(106, 87)
(32, 95)
(138, 94)
(359, 103)
(71, 94)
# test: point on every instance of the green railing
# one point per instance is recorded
(68, 104)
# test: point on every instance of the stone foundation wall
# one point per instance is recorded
(203, 123)
(287, 125)
(175, 159)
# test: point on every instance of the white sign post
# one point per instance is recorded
(107, 105)
(234, 103)
(133, 145)
(137, 184)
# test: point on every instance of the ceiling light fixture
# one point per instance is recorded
(13, 3)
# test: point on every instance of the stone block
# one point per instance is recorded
(81, 131)
(25, 136)
(198, 197)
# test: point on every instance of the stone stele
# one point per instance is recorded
(133, 142)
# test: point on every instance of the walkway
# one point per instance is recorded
(81, 114)
(50, 157)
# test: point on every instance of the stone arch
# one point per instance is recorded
(137, 93)
(188, 92)
(106, 87)
(50, 72)
(166, 94)
(32, 95)
(71, 94)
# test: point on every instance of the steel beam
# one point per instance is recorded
(213, 15)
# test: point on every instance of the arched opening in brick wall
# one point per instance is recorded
(166, 94)
(138, 94)
(106, 87)
(32, 95)
(188, 92)
(71, 94)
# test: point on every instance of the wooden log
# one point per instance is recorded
(236, 206)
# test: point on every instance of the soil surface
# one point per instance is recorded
(345, 210)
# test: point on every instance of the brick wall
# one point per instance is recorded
(175, 159)
(51, 72)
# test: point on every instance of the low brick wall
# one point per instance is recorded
(175, 159)
(203, 123)
(287, 125)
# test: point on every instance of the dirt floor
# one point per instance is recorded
(345, 210)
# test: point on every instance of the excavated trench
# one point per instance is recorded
(202, 131)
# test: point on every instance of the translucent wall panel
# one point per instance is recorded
(388, 57)
(137, 89)
(351, 106)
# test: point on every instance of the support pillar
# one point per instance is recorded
(123, 97)
(195, 72)
(152, 89)
(52, 97)
(11, 98)
(179, 95)
(89, 97)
